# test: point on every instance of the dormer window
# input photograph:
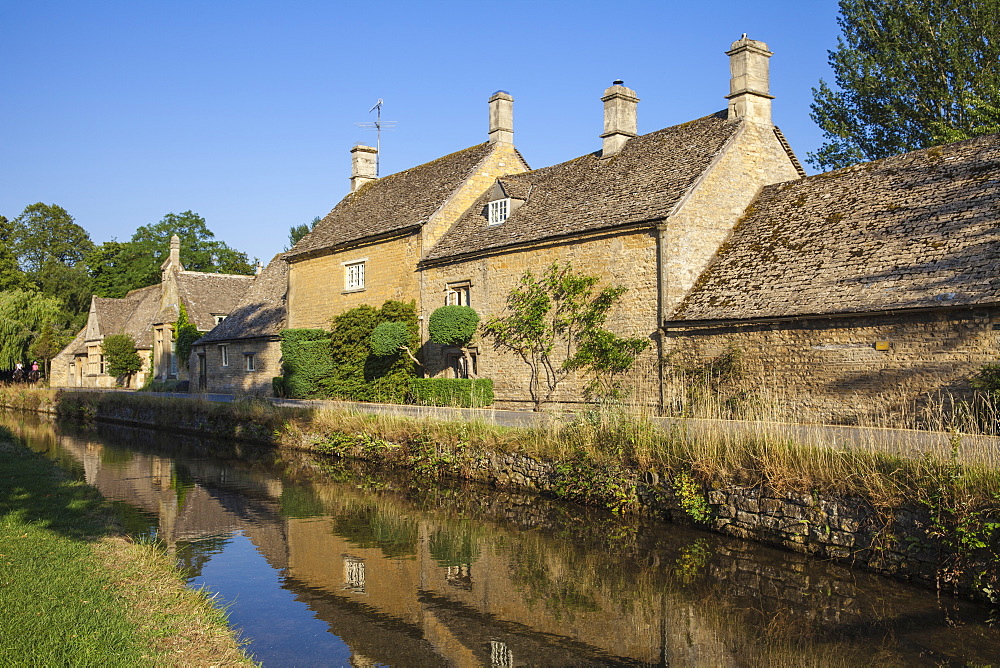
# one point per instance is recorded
(499, 210)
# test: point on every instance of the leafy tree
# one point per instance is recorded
(909, 74)
(11, 276)
(49, 342)
(115, 268)
(389, 338)
(554, 324)
(200, 251)
(44, 234)
(122, 359)
(24, 315)
(296, 232)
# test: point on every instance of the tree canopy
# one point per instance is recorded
(296, 232)
(909, 74)
(45, 234)
(117, 267)
(24, 314)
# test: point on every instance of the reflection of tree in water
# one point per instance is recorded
(192, 557)
(457, 549)
(300, 501)
(368, 528)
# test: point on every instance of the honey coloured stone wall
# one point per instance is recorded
(627, 258)
(235, 377)
(856, 369)
(694, 233)
(317, 288)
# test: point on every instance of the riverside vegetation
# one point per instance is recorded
(609, 457)
(77, 591)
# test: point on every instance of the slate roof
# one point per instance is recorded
(262, 311)
(642, 183)
(911, 231)
(204, 294)
(392, 203)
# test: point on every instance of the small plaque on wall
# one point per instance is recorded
(881, 345)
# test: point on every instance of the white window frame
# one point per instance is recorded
(250, 364)
(224, 353)
(354, 274)
(499, 210)
(219, 317)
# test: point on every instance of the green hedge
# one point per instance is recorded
(464, 392)
(307, 362)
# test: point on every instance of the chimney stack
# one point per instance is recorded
(749, 84)
(363, 166)
(619, 118)
(501, 117)
(175, 252)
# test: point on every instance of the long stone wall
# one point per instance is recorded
(857, 369)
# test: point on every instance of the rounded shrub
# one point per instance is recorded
(452, 325)
(386, 338)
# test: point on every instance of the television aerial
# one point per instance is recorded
(377, 125)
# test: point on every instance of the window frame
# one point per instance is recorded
(250, 362)
(458, 293)
(358, 281)
(224, 354)
(498, 211)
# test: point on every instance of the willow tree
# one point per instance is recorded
(909, 74)
(24, 316)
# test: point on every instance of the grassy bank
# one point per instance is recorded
(77, 592)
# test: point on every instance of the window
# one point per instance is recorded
(103, 365)
(499, 210)
(457, 294)
(224, 354)
(173, 357)
(354, 274)
(251, 361)
(354, 575)
(219, 317)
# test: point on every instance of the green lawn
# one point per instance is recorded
(70, 593)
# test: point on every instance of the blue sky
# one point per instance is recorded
(245, 112)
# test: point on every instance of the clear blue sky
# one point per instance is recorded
(245, 111)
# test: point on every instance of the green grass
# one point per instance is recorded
(63, 577)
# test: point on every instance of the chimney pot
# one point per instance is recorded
(501, 117)
(619, 117)
(363, 166)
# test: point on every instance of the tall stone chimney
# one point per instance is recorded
(749, 84)
(364, 166)
(619, 117)
(175, 251)
(501, 117)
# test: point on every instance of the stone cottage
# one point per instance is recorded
(852, 292)
(149, 315)
(365, 251)
(645, 211)
(243, 353)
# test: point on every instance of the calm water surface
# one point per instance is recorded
(327, 564)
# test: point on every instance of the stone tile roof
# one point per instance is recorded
(643, 182)
(916, 230)
(206, 294)
(112, 314)
(396, 202)
(262, 311)
(139, 323)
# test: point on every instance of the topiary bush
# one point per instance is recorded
(464, 392)
(452, 325)
(388, 338)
